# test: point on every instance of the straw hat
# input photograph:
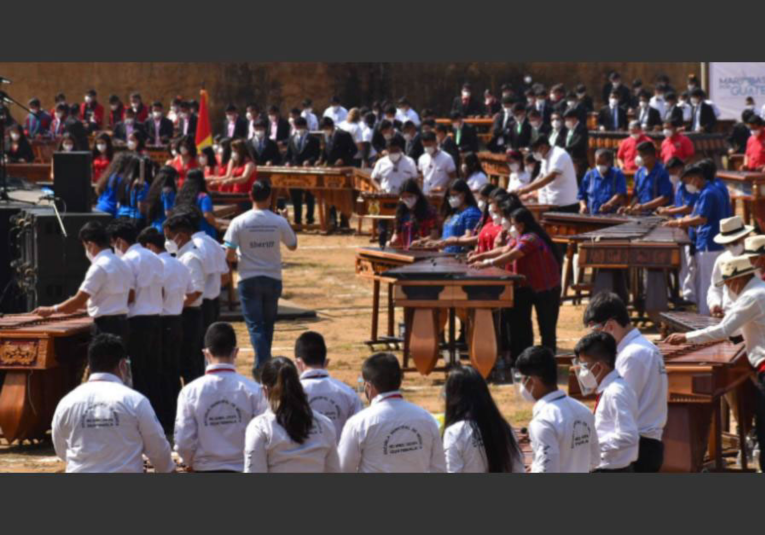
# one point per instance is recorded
(754, 246)
(732, 229)
(735, 267)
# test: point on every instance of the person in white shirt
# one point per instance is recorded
(473, 173)
(326, 395)
(145, 344)
(657, 100)
(310, 117)
(391, 435)
(405, 113)
(352, 125)
(519, 176)
(746, 315)
(335, 111)
(106, 289)
(437, 167)
(392, 170)
(477, 439)
(253, 240)
(178, 231)
(290, 436)
(103, 425)
(367, 135)
(215, 409)
(556, 181)
(562, 430)
(733, 233)
(641, 365)
(616, 405)
(176, 284)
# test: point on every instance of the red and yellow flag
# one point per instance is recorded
(204, 133)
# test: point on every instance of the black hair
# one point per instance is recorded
(541, 140)
(287, 398)
(300, 121)
(192, 187)
(179, 223)
(430, 136)
(538, 361)
(647, 147)
(209, 153)
(606, 306)
(124, 229)
(460, 186)
(455, 116)
(311, 348)
(94, 231)
(519, 106)
(230, 108)
(421, 208)
(693, 170)
(530, 224)
(106, 138)
(468, 399)
(571, 112)
(220, 339)
(326, 122)
(473, 163)
(383, 371)
(151, 236)
(708, 168)
(674, 162)
(105, 353)
(261, 190)
(164, 179)
(132, 179)
(754, 119)
(599, 346)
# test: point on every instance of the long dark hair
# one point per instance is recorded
(165, 178)
(460, 186)
(116, 167)
(287, 398)
(106, 138)
(473, 164)
(130, 180)
(468, 399)
(486, 191)
(421, 208)
(530, 224)
(192, 187)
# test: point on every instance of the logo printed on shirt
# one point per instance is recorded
(580, 435)
(326, 406)
(99, 416)
(222, 412)
(402, 439)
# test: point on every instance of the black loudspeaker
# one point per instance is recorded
(72, 179)
(50, 267)
(9, 249)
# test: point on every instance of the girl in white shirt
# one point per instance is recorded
(473, 173)
(519, 177)
(477, 439)
(289, 437)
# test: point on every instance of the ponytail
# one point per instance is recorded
(287, 398)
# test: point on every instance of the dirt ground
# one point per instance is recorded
(320, 276)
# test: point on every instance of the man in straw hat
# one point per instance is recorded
(747, 314)
(732, 234)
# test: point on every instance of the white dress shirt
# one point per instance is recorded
(562, 191)
(518, 180)
(615, 422)
(407, 115)
(214, 260)
(148, 278)
(311, 121)
(191, 257)
(746, 314)
(435, 170)
(391, 436)
(658, 103)
(476, 181)
(465, 452)
(719, 295)
(268, 447)
(108, 282)
(104, 426)
(176, 284)
(563, 436)
(330, 397)
(337, 115)
(641, 365)
(392, 176)
(213, 413)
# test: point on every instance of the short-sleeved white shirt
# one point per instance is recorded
(176, 283)
(435, 170)
(108, 281)
(391, 176)
(256, 235)
(561, 191)
(148, 271)
(476, 181)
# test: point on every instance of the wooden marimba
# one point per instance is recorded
(43, 359)
(482, 126)
(713, 145)
(31, 172)
(428, 287)
(749, 188)
(495, 166)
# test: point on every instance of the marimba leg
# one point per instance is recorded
(483, 341)
(16, 415)
(423, 339)
(375, 308)
(391, 311)
(321, 205)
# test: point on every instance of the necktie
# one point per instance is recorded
(616, 118)
(458, 136)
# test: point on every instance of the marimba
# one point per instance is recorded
(481, 124)
(371, 263)
(713, 144)
(31, 172)
(43, 359)
(426, 288)
(748, 187)
(495, 166)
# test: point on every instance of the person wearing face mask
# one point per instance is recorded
(519, 176)
(141, 110)
(310, 116)
(116, 112)
(145, 342)
(37, 123)
(390, 172)
(335, 111)
(365, 444)
(460, 214)
(413, 147)
(466, 104)
(562, 429)
(383, 133)
(577, 142)
(254, 115)
(103, 154)
(473, 173)
(754, 158)
(557, 98)
(278, 126)
(684, 201)
(615, 84)
(405, 113)
(583, 101)
(519, 134)
(641, 365)
(739, 134)
(627, 153)
(444, 143)
(648, 117)
(747, 315)
(125, 128)
(604, 188)
(339, 151)
(464, 134)
(674, 111)
(175, 112)
(436, 166)
(19, 150)
(92, 112)
(178, 231)
(501, 128)
(416, 219)
(352, 125)
(241, 172)
(60, 113)
(616, 405)
(485, 234)
(187, 120)
(558, 132)
(122, 424)
(703, 117)
(234, 126)
(657, 100)
(159, 129)
(264, 149)
(732, 236)
(652, 185)
(556, 182)
(303, 150)
(538, 128)
(612, 117)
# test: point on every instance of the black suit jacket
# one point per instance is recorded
(473, 107)
(380, 144)
(547, 111)
(520, 138)
(500, 131)
(544, 130)
(606, 118)
(559, 141)
(738, 137)
(166, 130)
(708, 119)
(450, 148)
(339, 147)
(309, 152)
(581, 112)
(577, 146)
(282, 129)
(625, 95)
(675, 114)
(192, 129)
(414, 148)
(241, 128)
(120, 131)
(268, 152)
(651, 119)
(468, 139)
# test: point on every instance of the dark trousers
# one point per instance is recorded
(382, 233)
(518, 325)
(144, 350)
(650, 455)
(116, 325)
(298, 197)
(210, 312)
(759, 416)
(169, 374)
(192, 361)
(626, 469)
(547, 305)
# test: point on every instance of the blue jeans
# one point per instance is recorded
(260, 303)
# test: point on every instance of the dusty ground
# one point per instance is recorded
(320, 276)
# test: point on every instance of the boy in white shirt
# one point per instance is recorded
(616, 405)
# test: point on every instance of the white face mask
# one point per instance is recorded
(68, 147)
(571, 103)
(496, 218)
(525, 393)
(88, 99)
(481, 204)
(132, 145)
(514, 232)
(89, 256)
(675, 179)
(635, 135)
(101, 147)
(455, 201)
(202, 160)
(394, 156)
(466, 94)
(557, 124)
(409, 202)
(184, 150)
(643, 104)
(231, 118)
(692, 189)
(174, 152)
(603, 169)
(527, 80)
(514, 167)
(736, 249)
(639, 161)
(508, 111)
(119, 252)
(171, 247)
(505, 224)
(135, 105)
(235, 156)
(157, 115)
(538, 156)
(15, 136)
(755, 133)
(616, 84)
(667, 132)
(430, 150)
(587, 381)
(260, 134)
(613, 102)
(408, 137)
(249, 116)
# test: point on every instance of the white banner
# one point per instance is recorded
(730, 83)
